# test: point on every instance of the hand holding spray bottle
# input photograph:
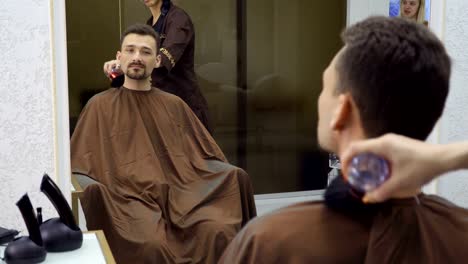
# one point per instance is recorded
(367, 171)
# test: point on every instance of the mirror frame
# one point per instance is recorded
(60, 101)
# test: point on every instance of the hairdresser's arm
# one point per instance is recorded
(413, 163)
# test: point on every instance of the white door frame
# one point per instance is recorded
(60, 85)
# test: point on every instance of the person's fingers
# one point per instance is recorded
(378, 195)
(108, 66)
(387, 190)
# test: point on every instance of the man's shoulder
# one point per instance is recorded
(172, 101)
(435, 205)
(293, 216)
(307, 232)
(101, 96)
(307, 218)
(169, 97)
(291, 211)
(104, 94)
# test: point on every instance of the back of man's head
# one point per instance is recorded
(398, 74)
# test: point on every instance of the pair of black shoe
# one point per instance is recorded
(54, 235)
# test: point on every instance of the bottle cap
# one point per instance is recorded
(367, 171)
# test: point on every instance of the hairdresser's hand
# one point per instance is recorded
(108, 66)
(413, 163)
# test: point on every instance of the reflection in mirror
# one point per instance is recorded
(417, 10)
(264, 111)
(258, 63)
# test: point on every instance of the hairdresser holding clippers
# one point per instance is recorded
(176, 74)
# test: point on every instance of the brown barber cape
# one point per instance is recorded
(424, 230)
(166, 193)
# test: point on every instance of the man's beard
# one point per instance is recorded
(137, 75)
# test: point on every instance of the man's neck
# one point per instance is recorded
(156, 11)
(347, 138)
(137, 85)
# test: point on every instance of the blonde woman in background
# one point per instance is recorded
(414, 10)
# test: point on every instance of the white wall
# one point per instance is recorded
(28, 140)
(454, 122)
(360, 9)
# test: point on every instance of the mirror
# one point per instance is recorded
(258, 63)
(417, 10)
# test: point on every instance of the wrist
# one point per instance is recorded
(460, 155)
(455, 156)
(442, 158)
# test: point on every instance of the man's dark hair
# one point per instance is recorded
(398, 74)
(142, 30)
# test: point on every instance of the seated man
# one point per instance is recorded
(165, 193)
(391, 76)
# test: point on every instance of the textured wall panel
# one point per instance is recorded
(26, 106)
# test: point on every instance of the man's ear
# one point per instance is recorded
(158, 61)
(117, 56)
(343, 113)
